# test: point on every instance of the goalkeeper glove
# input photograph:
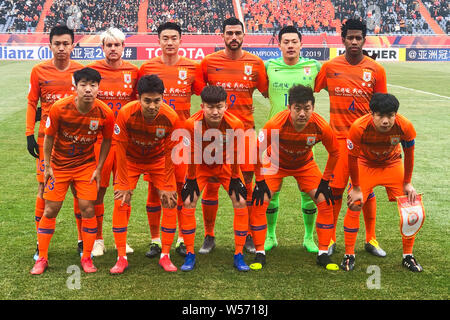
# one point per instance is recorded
(38, 114)
(238, 187)
(190, 186)
(258, 193)
(325, 189)
(32, 146)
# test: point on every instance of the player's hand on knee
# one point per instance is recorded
(238, 188)
(190, 188)
(32, 146)
(168, 199)
(324, 189)
(261, 189)
(123, 195)
(355, 199)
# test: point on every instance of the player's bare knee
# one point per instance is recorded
(51, 209)
(242, 203)
(355, 207)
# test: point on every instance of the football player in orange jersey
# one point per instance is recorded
(143, 133)
(374, 159)
(72, 127)
(239, 73)
(49, 81)
(181, 80)
(117, 88)
(351, 79)
(288, 139)
(221, 162)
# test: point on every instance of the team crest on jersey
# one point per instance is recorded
(395, 141)
(261, 136)
(116, 129)
(307, 70)
(47, 123)
(182, 74)
(349, 144)
(93, 125)
(310, 141)
(367, 75)
(160, 132)
(248, 68)
(127, 78)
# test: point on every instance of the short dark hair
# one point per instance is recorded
(301, 94)
(60, 30)
(169, 26)
(353, 24)
(150, 83)
(384, 103)
(213, 94)
(289, 29)
(87, 74)
(232, 22)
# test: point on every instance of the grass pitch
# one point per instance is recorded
(290, 274)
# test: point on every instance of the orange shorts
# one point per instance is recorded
(341, 173)
(247, 159)
(56, 190)
(156, 175)
(180, 173)
(108, 167)
(391, 178)
(307, 177)
(40, 161)
(221, 174)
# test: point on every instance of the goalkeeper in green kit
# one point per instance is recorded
(284, 72)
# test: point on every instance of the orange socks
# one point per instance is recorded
(210, 205)
(120, 226)
(351, 228)
(38, 211)
(370, 212)
(188, 225)
(337, 196)
(324, 224)
(258, 225)
(168, 228)
(77, 213)
(45, 232)
(408, 245)
(153, 211)
(240, 225)
(99, 212)
(89, 234)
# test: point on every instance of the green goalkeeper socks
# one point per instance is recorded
(272, 216)
(309, 210)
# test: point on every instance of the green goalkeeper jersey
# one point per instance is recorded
(282, 77)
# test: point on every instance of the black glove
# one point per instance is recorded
(32, 146)
(38, 114)
(325, 189)
(238, 187)
(190, 186)
(258, 193)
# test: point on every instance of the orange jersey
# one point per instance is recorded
(144, 143)
(239, 78)
(118, 86)
(75, 133)
(180, 82)
(48, 84)
(227, 130)
(294, 149)
(350, 88)
(376, 149)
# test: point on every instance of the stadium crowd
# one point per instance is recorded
(93, 16)
(194, 16)
(20, 15)
(440, 11)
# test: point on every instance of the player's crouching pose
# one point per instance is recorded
(143, 132)
(71, 132)
(219, 165)
(298, 129)
(375, 160)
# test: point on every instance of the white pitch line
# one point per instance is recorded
(420, 91)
